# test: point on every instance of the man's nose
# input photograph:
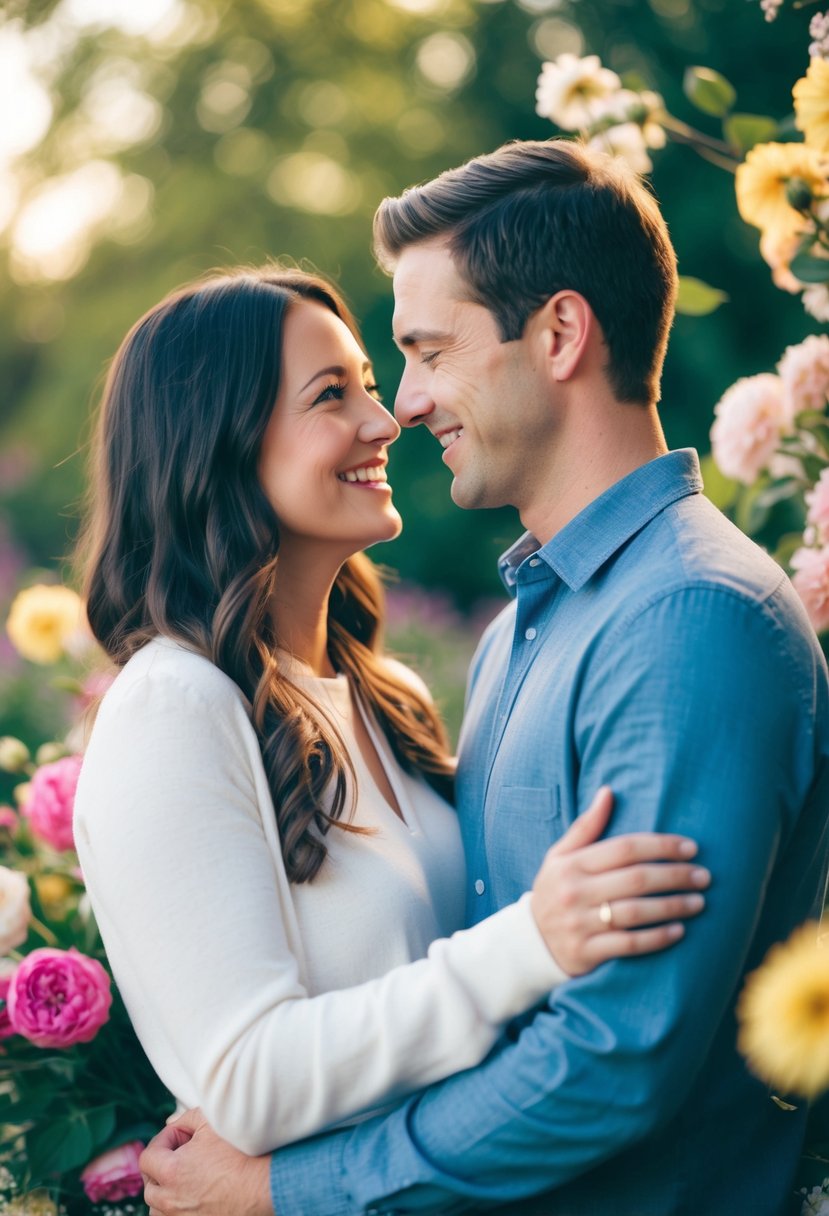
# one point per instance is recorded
(413, 404)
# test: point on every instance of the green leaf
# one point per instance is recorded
(719, 489)
(778, 491)
(810, 269)
(743, 131)
(709, 91)
(752, 513)
(786, 547)
(59, 1146)
(697, 299)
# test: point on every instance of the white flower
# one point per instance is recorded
(625, 141)
(750, 419)
(804, 370)
(770, 8)
(816, 301)
(816, 1201)
(819, 30)
(644, 109)
(570, 88)
(15, 911)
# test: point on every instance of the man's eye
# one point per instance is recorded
(429, 357)
(331, 392)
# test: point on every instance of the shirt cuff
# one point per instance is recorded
(308, 1179)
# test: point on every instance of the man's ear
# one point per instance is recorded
(566, 326)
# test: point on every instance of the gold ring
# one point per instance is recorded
(605, 913)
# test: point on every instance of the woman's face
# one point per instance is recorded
(323, 458)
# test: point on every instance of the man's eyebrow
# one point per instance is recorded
(415, 336)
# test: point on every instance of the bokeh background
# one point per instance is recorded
(145, 141)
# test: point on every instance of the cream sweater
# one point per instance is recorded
(282, 1009)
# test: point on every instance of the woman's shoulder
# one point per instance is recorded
(165, 672)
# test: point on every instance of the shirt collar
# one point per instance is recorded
(587, 541)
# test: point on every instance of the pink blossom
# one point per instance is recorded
(8, 817)
(7, 970)
(50, 801)
(811, 581)
(817, 500)
(114, 1175)
(804, 370)
(750, 419)
(59, 997)
(94, 687)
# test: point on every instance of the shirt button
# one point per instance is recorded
(535, 561)
(530, 634)
(480, 886)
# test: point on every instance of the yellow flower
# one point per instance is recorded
(811, 104)
(41, 620)
(763, 177)
(784, 1016)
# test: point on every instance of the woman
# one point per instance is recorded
(262, 817)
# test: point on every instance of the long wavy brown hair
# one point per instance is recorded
(180, 541)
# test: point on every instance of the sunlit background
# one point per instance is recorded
(144, 142)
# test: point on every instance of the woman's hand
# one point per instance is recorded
(591, 898)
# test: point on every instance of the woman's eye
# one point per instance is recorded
(374, 391)
(331, 392)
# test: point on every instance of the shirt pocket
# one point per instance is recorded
(522, 822)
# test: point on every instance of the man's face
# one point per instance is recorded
(487, 402)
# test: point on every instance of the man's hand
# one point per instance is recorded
(188, 1169)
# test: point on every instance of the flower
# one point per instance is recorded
(41, 619)
(777, 247)
(14, 755)
(749, 421)
(7, 970)
(819, 47)
(762, 179)
(9, 818)
(569, 89)
(804, 370)
(811, 104)
(50, 801)
(770, 8)
(784, 1015)
(625, 141)
(811, 582)
(817, 500)
(114, 1175)
(816, 1201)
(15, 909)
(59, 997)
(816, 301)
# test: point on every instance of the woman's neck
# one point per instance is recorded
(300, 611)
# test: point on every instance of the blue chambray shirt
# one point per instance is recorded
(653, 647)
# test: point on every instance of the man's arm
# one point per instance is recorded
(698, 713)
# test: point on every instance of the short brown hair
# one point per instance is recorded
(537, 217)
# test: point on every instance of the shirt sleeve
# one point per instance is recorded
(177, 840)
(698, 712)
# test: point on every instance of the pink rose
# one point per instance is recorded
(811, 581)
(8, 817)
(7, 970)
(114, 1175)
(59, 997)
(817, 500)
(51, 799)
(750, 419)
(804, 370)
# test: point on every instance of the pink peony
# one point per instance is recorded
(50, 801)
(811, 581)
(817, 500)
(750, 419)
(7, 970)
(59, 997)
(8, 817)
(114, 1175)
(804, 370)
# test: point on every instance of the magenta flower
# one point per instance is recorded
(59, 997)
(51, 799)
(114, 1175)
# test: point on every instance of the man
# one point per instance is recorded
(649, 646)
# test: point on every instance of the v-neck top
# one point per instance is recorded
(282, 1008)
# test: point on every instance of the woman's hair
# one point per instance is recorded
(181, 541)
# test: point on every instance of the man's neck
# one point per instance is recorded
(593, 460)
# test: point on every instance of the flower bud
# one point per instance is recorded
(47, 753)
(799, 193)
(14, 755)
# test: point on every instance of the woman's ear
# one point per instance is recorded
(565, 325)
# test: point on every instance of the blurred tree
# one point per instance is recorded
(231, 132)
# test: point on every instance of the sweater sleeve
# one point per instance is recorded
(175, 832)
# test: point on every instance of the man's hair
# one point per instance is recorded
(538, 217)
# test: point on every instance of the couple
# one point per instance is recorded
(262, 817)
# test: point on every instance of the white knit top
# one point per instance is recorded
(282, 1008)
